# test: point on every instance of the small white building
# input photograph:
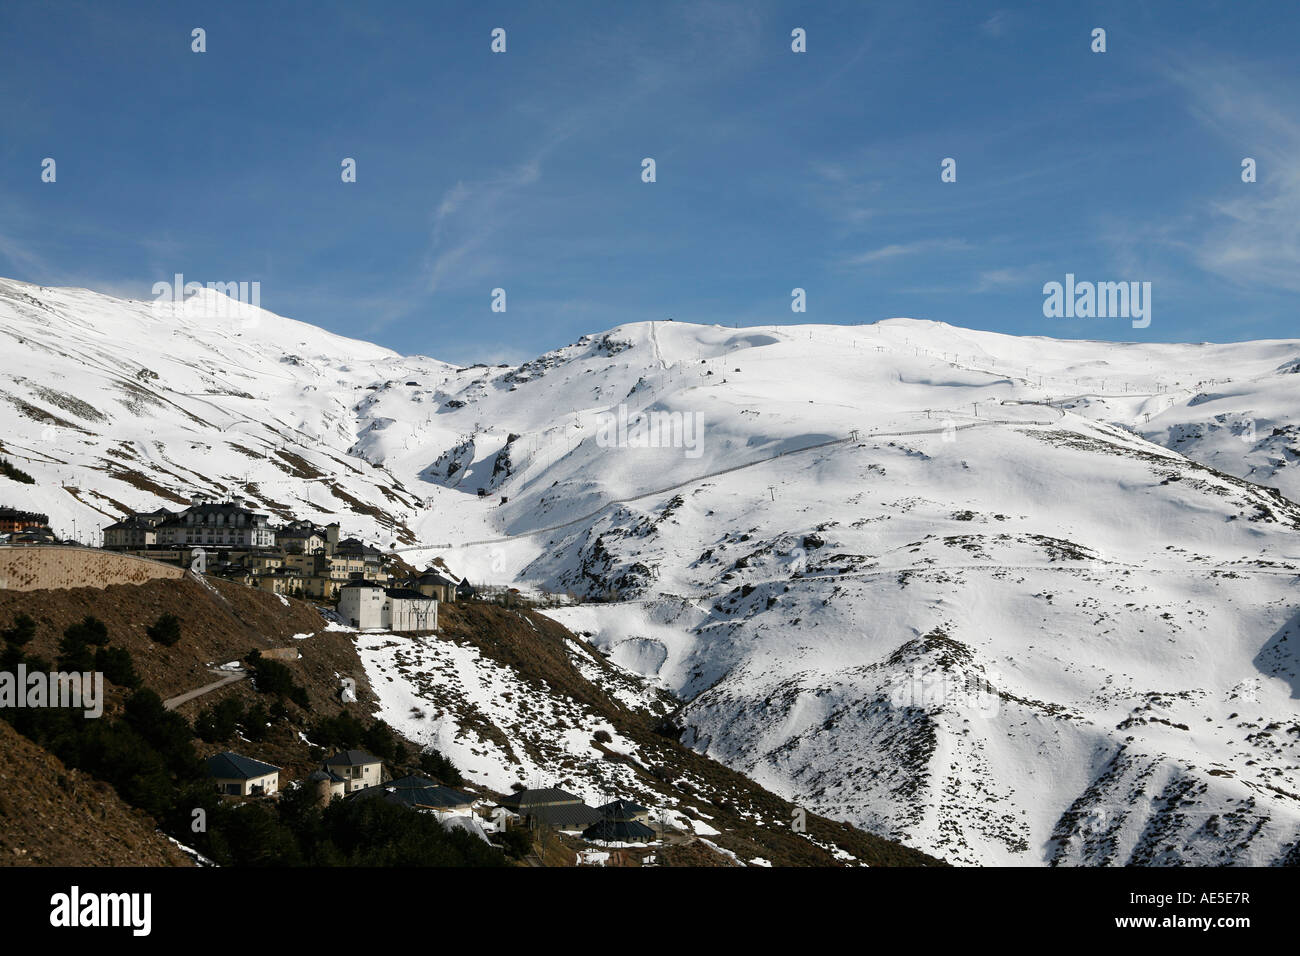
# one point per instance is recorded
(357, 768)
(409, 610)
(367, 604)
(238, 776)
(362, 604)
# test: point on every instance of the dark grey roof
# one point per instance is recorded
(552, 806)
(406, 593)
(356, 546)
(363, 583)
(231, 766)
(326, 774)
(351, 758)
(564, 815)
(622, 810)
(435, 577)
(15, 514)
(295, 531)
(131, 521)
(619, 831)
(548, 796)
(419, 792)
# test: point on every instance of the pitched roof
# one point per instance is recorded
(552, 806)
(406, 593)
(356, 546)
(619, 831)
(351, 758)
(433, 576)
(564, 815)
(15, 514)
(296, 530)
(329, 775)
(419, 792)
(548, 796)
(622, 810)
(231, 766)
(131, 521)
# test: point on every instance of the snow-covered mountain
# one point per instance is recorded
(1007, 600)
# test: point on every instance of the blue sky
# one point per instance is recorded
(775, 170)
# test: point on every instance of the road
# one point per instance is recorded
(227, 677)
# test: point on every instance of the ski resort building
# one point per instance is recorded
(133, 531)
(225, 525)
(12, 520)
(303, 537)
(435, 584)
(369, 605)
(552, 807)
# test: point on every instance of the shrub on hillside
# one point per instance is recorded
(165, 631)
(436, 765)
(380, 740)
(343, 731)
(167, 731)
(74, 653)
(255, 722)
(117, 666)
(89, 630)
(272, 677)
(517, 843)
(21, 631)
(220, 721)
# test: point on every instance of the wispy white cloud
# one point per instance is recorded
(898, 250)
(468, 215)
(991, 280)
(1250, 233)
(21, 258)
(997, 24)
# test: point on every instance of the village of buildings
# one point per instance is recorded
(299, 559)
(371, 591)
(358, 775)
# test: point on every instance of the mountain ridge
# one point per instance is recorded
(1115, 556)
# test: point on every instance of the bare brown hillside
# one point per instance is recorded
(220, 622)
(53, 816)
(223, 622)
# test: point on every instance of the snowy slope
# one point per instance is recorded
(1009, 600)
(117, 405)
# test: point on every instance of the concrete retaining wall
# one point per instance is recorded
(39, 567)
